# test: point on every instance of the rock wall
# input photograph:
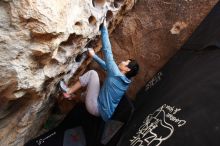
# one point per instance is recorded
(39, 41)
(153, 31)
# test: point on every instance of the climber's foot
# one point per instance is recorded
(62, 86)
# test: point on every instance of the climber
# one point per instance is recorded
(103, 101)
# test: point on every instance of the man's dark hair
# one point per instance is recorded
(134, 68)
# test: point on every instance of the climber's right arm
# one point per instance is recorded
(97, 59)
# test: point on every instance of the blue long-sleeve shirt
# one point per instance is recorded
(115, 84)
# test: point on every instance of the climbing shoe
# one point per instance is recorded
(63, 87)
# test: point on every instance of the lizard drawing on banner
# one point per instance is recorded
(156, 128)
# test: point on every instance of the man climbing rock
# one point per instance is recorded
(103, 101)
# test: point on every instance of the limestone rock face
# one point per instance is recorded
(39, 40)
(154, 30)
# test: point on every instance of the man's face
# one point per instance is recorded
(123, 66)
